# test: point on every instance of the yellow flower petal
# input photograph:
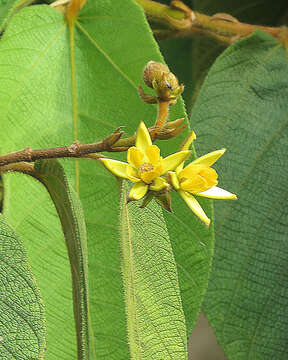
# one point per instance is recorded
(143, 139)
(195, 206)
(173, 178)
(118, 168)
(135, 156)
(217, 193)
(171, 162)
(153, 154)
(148, 176)
(208, 159)
(138, 191)
(186, 146)
(132, 174)
(197, 178)
(194, 185)
(158, 184)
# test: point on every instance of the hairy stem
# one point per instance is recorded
(112, 143)
(163, 110)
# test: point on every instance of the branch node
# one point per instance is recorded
(28, 152)
(75, 148)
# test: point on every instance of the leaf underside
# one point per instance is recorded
(156, 323)
(70, 213)
(243, 107)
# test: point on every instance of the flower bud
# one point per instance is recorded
(158, 77)
(153, 71)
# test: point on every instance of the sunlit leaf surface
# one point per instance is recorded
(59, 86)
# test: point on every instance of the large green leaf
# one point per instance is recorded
(43, 98)
(22, 324)
(156, 323)
(243, 106)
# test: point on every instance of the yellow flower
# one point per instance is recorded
(145, 165)
(199, 179)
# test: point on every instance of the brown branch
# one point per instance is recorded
(112, 143)
(18, 167)
(179, 20)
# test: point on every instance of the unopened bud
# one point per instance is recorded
(158, 77)
(153, 71)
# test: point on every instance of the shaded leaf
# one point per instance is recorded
(243, 106)
(22, 325)
(70, 212)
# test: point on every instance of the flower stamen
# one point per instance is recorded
(145, 167)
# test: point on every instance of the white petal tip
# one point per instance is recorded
(217, 193)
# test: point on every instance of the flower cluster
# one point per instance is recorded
(155, 177)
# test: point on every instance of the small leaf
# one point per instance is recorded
(22, 326)
(156, 323)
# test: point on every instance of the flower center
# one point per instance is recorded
(145, 167)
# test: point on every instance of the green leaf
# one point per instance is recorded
(48, 102)
(70, 212)
(22, 322)
(243, 107)
(156, 323)
(32, 214)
